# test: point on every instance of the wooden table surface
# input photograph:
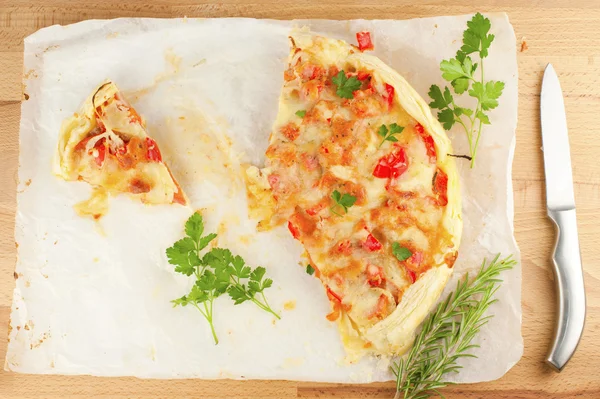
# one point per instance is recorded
(566, 33)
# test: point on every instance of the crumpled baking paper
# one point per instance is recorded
(94, 297)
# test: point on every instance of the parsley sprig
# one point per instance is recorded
(388, 132)
(345, 86)
(216, 272)
(344, 201)
(447, 334)
(460, 71)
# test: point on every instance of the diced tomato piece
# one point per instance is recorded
(440, 187)
(392, 165)
(411, 275)
(428, 140)
(374, 275)
(294, 230)
(416, 258)
(312, 71)
(153, 153)
(371, 244)
(389, 89)
(344, 247)
(364, 41)
(380, 307)
(362, 75)
(100, 148)
(98, 152)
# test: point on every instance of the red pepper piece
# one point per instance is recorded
(374, 275)
(440, 187)
(428, 140)
(294, 230)
(391, 165)
(389, 89)
(362, 75)
(364, 41)
(371, 244)
(152, 152)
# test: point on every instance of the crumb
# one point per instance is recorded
(18, 328)
(40, 341)
(55, 242)
(28, 284)
(15, 275)
(289, 305)
(182, 117)
(523, 44)
(26, 96)
(435, 26)
(28, 182)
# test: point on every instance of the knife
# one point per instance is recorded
(560, 202)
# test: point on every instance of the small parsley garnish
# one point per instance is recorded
(310, 270)
(345, 86)
(401, 253)
(388, 132)
(301, 113)
(217, 272)
(345, 201)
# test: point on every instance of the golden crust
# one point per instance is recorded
(149, 181)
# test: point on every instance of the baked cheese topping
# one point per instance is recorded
(330, 140)
(106, 145)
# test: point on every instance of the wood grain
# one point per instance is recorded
(564, 33)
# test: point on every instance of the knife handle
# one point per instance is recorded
(571, 291)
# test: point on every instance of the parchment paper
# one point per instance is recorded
(93, 298)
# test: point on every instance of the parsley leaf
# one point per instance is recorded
(345, 86)
(194, 227)
(440, 100)
(487, 94)
(388, 133)
(476, 38)
(401, 253)
(446, 118)
(301, 113)
(310, 270)
(345, 201)
(460, 71)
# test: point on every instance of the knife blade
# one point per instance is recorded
(560, 201)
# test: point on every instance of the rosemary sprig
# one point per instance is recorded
(447, 334)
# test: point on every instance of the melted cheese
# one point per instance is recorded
(87, 148)
(335, 146)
